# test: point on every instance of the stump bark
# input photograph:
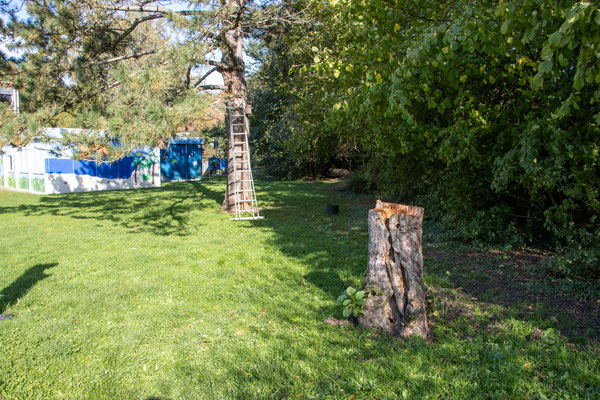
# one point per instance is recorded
(394, 281)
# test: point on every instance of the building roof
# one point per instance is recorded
(187, 140)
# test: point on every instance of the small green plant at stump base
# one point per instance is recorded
(353, 301)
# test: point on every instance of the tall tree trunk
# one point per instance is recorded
(234, 79)
(395, 271)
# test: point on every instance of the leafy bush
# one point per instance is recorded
(486, 113)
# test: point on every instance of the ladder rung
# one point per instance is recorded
(241, 157)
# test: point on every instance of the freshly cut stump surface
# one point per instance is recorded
(394, 280)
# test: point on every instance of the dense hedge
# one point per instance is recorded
(485, 112)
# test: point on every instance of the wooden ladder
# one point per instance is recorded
(245, 206)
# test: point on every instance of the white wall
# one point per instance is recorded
(29, 162)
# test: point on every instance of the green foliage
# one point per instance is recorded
(288, 123)
(352, 301)
(486, 113)
(88, 65)
(133, 71)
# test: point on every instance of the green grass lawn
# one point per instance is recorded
(156, 294)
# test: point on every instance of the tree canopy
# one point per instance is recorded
(486, 112)
(131, 69)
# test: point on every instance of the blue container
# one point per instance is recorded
(182, 160)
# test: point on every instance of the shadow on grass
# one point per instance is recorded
(516, 281)
(368, 366)
(335, 249)
(19, 288)
(489, 361)
(162, 211)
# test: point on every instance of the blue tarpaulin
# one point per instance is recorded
(120, 169)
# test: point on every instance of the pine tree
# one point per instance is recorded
(129, 69)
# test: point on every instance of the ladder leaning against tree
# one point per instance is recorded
(245, 204)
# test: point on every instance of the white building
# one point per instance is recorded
(45, 168)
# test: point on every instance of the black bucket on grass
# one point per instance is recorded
(333, 209)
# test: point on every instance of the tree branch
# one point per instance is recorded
(205, 76)
(221, 66)
(212, 35)
(134, 25)
(120, 58)
(158, 10)
(213, 87)
(72, 104)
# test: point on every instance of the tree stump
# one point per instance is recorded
(394, 281)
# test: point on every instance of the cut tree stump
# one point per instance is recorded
(394, 281)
